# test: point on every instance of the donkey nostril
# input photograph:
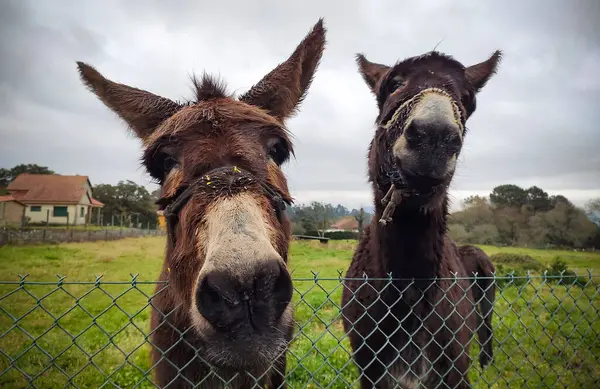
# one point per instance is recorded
(454, 142)
(216, 302)
(267, 278)
(415, 133)
(283, 289)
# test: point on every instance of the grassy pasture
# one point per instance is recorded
(546, 335)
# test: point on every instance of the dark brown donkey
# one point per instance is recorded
(477, 262)
(403, 332)
(226, 315)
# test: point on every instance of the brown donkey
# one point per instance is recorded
(476, 261)
(225, 318)
(412, 333)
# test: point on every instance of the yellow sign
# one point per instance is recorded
(162, 222)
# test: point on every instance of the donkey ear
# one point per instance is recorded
(282, 90)
(478, 75)
(142, 110)
(371, 72)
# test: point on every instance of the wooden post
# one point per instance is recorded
(47, 224)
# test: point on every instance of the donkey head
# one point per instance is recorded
(218, 162)
(424, 103)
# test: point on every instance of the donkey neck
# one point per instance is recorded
(412, 244)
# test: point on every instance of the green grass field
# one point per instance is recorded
(546, 335)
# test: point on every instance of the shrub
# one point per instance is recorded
(510, 277)
(522, 261)
(560, 273)
(341, 235)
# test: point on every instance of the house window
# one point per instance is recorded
(82, 212)
(60, 212)
(36, 208)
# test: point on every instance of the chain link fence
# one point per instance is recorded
(96, 334)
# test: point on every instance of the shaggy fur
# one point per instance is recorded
(476, 261)
(404, 332)
(217, 133)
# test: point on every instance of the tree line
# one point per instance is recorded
(316, 217)
(510, 215)
(516, 216)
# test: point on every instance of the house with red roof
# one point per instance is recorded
(347, 223)
(54, 198)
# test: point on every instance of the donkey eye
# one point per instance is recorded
(169, 163)
(277, 151)
(469, 101)
(397, 83)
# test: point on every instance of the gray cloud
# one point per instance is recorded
(536, 121)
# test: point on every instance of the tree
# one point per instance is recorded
(560, 199)
(156, 194)
(508, 196)
(526, 217)
(126, 202)
(475, 200)
(4, 180)
(305, 217)
(510, 222)
(484, 234)
(592, 210)
(4, 177)
(339, 211)
(297, 229)
(360, 217)
(458, 233)
(477, 212)
(324, 216)
(538, 199)
(568, 226)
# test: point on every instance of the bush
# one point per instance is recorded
(510, 277)
(559, 272)
(341, 235)
(521, 261)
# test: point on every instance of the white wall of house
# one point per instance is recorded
(85, 199)
(75, 213)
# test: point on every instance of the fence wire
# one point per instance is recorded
(96, 334)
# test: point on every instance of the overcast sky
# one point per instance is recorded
(537, 121)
